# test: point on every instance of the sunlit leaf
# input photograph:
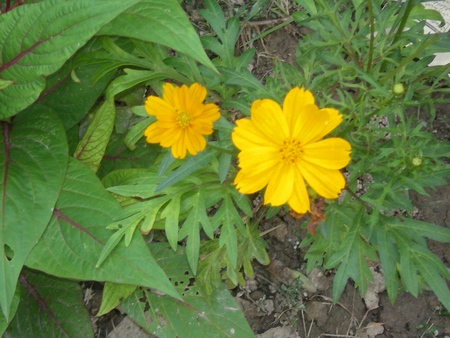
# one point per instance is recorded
(216, 315)
(166, 21)
(32, 50)
(33, 163)
(77, 233)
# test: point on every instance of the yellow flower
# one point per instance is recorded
(182, 119)
(282, 147)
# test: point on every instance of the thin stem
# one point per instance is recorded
(405, 16)
(372, 35)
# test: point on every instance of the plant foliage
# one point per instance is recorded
(85, 198)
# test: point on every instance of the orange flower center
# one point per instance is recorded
(291, 150)
(183, 118)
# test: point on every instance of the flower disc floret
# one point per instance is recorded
(182, 119)
(282, 149)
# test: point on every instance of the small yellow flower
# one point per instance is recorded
(182, 119)
(282, 147)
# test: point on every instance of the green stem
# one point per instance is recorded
(404, 19)
(372, 35)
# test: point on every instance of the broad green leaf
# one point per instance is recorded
(159, 21)
(37, 39)
(33, 163)
(50, 307)
(136, 132)
(197, 315)
(62, 94)
(92, 146)
(75, 237)
(113, 295)
(15, 304)
(118, 156)
(5, 83)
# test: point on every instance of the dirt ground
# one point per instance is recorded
(275, 308)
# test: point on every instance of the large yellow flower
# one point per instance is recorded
(281, 148)
(182, 119)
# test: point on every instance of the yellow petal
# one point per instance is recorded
(182, 99)
(169, 91)
(268, 118)
(194, 142)
(327, 183)
(331, 153)
(256, 157)
(178, 149)
(299, 200)
(334, 119)
(169, 136)
(281, 185)
(257, 165)
(155, 106)
(246, 135)
(309, 123)
(249, 185)
(153, 133)
(295, 102)
(209, 112)
(197, 93)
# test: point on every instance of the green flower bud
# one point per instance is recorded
(398, 88)
(416, 161)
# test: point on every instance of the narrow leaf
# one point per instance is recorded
(434, 280)
(132, 78)
(191, 165)
(409, 273)
(386, 249)
(91, 148)
(432, 231)
(171, 213)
